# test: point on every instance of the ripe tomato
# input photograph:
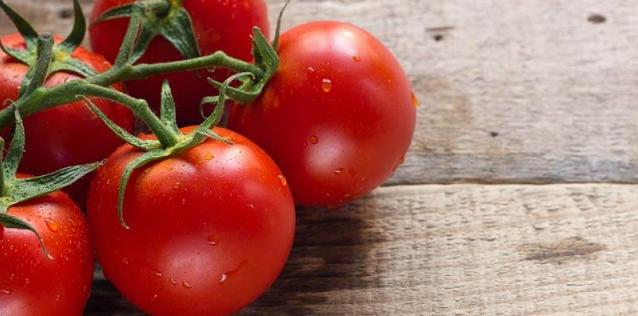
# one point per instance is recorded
(30, 282)
(64, 135)
(218, 25)
(337, 117)
(210, 229)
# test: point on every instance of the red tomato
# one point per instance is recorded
(210, 229)
(337, 117)
(30, 282)
(64, 135)
(218, 25)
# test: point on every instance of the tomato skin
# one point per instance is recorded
(218, 25)
(337, 117)
(31, 283)
(210, 229)
(64, 135)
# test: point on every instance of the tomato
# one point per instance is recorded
(30, 282)
(68, 134)
(337, 117)
(218, 25)
(209, 229)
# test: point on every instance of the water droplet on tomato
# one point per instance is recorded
(223, 278)
(155, 296)
(176, 185)
(187, 285)
(283, 180)
(158, 274)
(310, 69)
(314, 139)
(12, 276)
(173, 281)
(251, 205)
(51, 225)
(356, 58)
(57, 298)
(125, 260)
(415, 100)
(326, 85)
(5, 291)
(27, 281)
(339, 171)
(212, 240)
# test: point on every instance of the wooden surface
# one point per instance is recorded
(513, 92)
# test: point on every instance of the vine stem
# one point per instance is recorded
(43, 98)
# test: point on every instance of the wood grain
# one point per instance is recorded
(461, 249)
(511, 91)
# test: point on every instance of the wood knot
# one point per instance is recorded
(573, 248)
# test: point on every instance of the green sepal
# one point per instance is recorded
(181, 34)
(115, 13)
(75, 38)
(168, 19)
(243, 94)
(19, 190)
(61, 59)
(39, 71)
(167, 111)
(29, 188)
(275, 42)
(266, 59)
(138, 162)
(16, 149)
(24, 27)
(144, 38)
(204, 129)
(9, 221)
(165, 125)
(72, 65)
(120, 132)
(22, 56)
(214, 136)
(207, 100)
(16, 191)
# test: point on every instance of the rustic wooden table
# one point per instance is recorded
(518, 194)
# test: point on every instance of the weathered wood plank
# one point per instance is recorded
(512, 91)
(468, 249)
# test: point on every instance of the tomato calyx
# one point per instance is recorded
(166, 18)
(170, 140)
(16, 190)
(266, 59)
(62, 59)
(99, 85)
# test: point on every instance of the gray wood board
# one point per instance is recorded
(459, 249)
(511, 91)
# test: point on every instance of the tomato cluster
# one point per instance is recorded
(186, 218)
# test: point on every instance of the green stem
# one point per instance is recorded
(129, 41)
(44, 98)
(38, 73)
(142, 71)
